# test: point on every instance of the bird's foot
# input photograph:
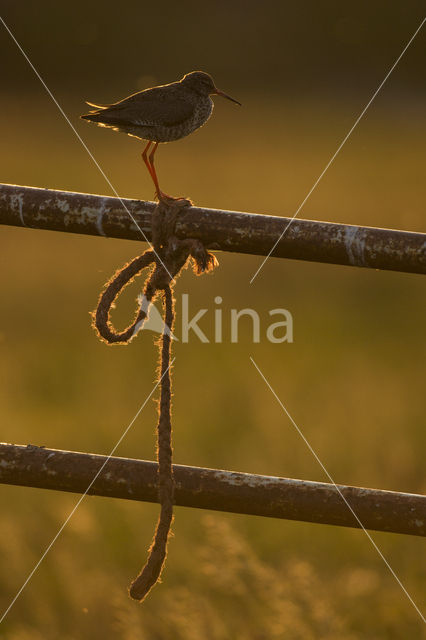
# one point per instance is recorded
(164, 197)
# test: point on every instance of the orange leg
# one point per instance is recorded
(145, 159)
(161, 195)
(149, 162)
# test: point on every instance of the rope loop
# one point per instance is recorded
(169, 256)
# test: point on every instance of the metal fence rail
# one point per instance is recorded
(216, 489)
(212, 488)
(225, 230)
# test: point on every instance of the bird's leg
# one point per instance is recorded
(153, 173)
(149, 162)
(160, 194)
(145, 159)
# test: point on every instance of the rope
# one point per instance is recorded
(169, 257)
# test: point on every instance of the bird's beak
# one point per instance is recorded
(224, 95)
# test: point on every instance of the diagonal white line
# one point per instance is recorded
(79, 501)
(338, 490)
(333, 157)
(83, 144)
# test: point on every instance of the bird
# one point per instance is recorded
(161, 114)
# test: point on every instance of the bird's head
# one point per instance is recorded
(202, 83)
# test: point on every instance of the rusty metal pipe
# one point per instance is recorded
(224, 230)
(215, 489)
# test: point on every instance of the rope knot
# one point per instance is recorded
(169, 256)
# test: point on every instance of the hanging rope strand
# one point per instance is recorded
(172, 255)
(158, 551)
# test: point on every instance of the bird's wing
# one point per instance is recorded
(152, 107)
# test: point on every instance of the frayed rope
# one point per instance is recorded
(169, 257)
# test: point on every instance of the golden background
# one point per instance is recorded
(353, 379)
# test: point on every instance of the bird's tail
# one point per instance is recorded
(97, 106)
(93, 117)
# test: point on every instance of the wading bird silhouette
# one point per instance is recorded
(161, 114)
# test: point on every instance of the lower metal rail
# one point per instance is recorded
(269, 496)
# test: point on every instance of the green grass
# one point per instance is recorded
(353, 380)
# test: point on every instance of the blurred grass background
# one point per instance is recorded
(353, 379)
